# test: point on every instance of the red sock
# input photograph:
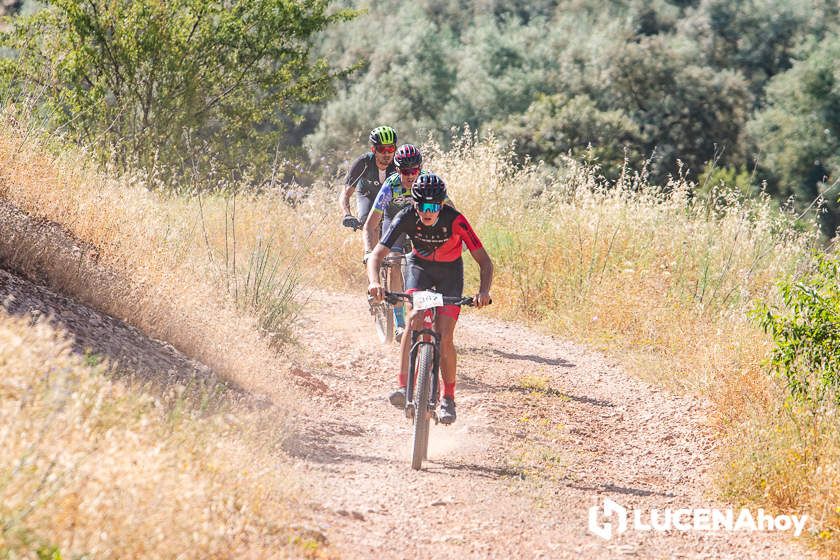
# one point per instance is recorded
(449, 390)
(402, 379)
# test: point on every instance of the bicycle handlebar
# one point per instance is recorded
(388, 259)
(393, 297)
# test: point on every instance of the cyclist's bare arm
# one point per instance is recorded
(344, 199)
(485, 266)
(373, 264)
(371, 229)
(354, 174)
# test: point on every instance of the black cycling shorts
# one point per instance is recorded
(446, 278)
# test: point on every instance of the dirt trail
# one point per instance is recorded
(545, 430)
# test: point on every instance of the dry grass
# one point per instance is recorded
(657, 279)
(785, 454)
(134, 255)
(92, 469)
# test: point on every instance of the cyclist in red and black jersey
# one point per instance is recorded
(367, 174)
(437, 233)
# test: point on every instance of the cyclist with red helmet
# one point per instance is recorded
(394, 195)
(437, 233)
(367, 174)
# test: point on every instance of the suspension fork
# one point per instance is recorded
(416, 341)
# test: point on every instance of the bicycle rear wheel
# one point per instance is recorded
(383, 314)
(422, 395)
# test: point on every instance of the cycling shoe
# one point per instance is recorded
(397, 398)
(447, 410)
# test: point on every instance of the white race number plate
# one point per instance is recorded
(427, 300)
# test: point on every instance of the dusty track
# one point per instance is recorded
(515, 476)
(546, 429)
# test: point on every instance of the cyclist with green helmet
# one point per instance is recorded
(395, 195)
(367, 174)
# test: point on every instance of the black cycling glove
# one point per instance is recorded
(351, 222)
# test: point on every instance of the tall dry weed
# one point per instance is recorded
(129, 252)
(91, 469)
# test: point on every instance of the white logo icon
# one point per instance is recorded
(605, 530)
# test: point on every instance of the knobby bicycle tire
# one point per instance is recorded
(383, 315)
(422, 395)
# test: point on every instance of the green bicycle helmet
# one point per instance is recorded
(383, 135)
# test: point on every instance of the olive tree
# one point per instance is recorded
(177, 86)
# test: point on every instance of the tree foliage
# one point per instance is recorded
(799, 129)
(655, 81)
(555, 126)
(173, 86)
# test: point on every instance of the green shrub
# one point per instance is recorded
(806, 331)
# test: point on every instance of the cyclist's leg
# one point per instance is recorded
(364, 202)
(397, 250)
(399, 308)
(445, 325)
(448, 361)
(449, 280)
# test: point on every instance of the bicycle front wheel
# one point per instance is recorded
(422, 396)
(383, 320)
(383, 315)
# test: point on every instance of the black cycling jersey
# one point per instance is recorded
(439, 242)
(364, 175)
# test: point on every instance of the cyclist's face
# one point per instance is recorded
(384, 155)
(407, 176)
(427, 217)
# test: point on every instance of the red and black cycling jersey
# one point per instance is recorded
(364, 175)
(440, 242)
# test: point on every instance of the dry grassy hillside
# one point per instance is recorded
(137, 462)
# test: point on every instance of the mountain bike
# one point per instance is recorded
(383, 312)
(421, 397)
